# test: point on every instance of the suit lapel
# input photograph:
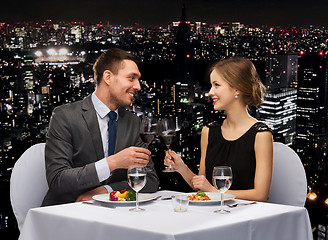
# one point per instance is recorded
(90, 117)
(120, 129)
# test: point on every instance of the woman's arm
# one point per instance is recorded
(176, 161)
(199, 182)
(183, 169)
(203, 148)
(264, 159)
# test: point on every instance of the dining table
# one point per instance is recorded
(259, 221)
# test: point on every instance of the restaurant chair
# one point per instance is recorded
(28, 184)
(289, 184)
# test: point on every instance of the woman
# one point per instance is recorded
(240, 142)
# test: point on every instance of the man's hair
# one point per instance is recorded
(111, 60)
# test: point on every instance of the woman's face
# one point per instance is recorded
(221, 92)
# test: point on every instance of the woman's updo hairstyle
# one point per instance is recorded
(240, 74)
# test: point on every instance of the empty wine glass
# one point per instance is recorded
(148, 129)
(222, 179)
(137, 180)
(167, 133)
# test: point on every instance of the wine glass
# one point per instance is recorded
(148, 129)
(222, 179)
(137, 180)
(167, 133)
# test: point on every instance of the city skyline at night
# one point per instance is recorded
(46, 62)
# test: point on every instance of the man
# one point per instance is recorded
(78, 156)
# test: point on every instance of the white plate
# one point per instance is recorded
(215, 197)
(143, 197)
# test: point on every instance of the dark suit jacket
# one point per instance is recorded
(74, 145)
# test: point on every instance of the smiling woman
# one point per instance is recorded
(238, 77)
(240, 142)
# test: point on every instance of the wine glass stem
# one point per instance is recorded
(221, 202)
(168, 148)
(137, 203)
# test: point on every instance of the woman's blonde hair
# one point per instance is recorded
(241, 74)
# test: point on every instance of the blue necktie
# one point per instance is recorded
(111, 132)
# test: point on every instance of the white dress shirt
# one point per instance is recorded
(102, 111)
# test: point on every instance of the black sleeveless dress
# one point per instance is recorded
(239, 154)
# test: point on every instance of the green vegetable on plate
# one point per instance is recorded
(130, 196)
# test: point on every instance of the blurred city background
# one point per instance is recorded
(48, 63)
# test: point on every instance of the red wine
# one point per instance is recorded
(147, 137)
(167, 139)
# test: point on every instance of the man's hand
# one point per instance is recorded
(132, 156)
(88, 195)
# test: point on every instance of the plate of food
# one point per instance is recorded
(123, 197)
(201, 197)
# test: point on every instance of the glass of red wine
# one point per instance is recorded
(148, 130)
(167, 133)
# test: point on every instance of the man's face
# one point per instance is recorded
(124, 84)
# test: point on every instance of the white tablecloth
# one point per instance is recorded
(261, 221)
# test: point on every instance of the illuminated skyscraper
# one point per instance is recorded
(184, 55)
(279, 107)
(311, 120)
(281, 71)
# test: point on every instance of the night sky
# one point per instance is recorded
(163, 12)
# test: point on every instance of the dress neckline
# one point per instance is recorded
(220, 130)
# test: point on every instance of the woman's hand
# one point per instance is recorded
(174, 159)
(199, 182)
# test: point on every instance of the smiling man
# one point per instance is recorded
(91, 143)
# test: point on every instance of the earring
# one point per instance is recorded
(236, 96)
